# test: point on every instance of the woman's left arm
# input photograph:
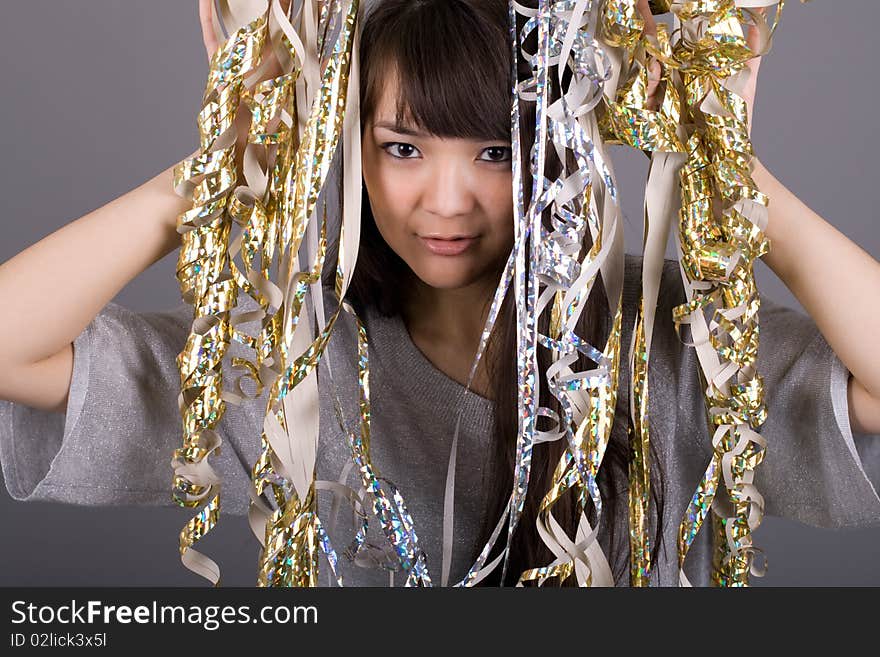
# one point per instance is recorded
(839, 289)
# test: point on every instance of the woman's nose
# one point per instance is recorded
(449, 190)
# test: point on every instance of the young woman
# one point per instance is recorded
(436, 170)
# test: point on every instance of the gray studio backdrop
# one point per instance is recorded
(100, 96)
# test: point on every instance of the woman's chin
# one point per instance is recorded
(445, 275)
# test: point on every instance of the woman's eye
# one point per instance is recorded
(403, 151)
(499, 153)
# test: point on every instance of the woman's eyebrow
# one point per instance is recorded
(406, 130)
(401, 129)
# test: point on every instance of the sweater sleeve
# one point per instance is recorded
(814, 470)
(114, 444)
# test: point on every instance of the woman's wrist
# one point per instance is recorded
(169, 205)
(760, 173)
(769, 185)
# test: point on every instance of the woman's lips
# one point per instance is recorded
(448, 247)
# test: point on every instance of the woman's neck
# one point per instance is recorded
(446, 326)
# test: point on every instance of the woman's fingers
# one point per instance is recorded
(654, 73)
(206, 19)
(753, 40)
(648, 17)
(655, 69)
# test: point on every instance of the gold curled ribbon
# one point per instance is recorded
(297, 118)
(702, 118)
(697, 135)
(202, 270)
(629, 119)
(720, 235)
(273, 209)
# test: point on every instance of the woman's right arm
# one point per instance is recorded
(54, 288)
(51, 291)
(88, 388)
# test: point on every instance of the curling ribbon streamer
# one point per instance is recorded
(702, 73)
(629, 120)
(274, 221)
(723, 216)
(276, 209)
(700, 155)
(578, 200)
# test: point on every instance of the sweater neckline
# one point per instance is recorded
(442, 394)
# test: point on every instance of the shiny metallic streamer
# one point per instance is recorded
(525, 282)
(290, 554)
(202, 270)
(298, 117)
(628, 120)
(703, 119)
(721, 234)
(274, 211)
(588, 415)
(565, 38)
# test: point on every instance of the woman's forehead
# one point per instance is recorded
(424, 114)
(388, 97)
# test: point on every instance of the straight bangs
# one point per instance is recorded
(452, 64)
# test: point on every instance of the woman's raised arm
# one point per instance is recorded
(54, 288)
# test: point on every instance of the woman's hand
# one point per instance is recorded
(748, 94)
(211, 38)
(209, 34)
(655, 68)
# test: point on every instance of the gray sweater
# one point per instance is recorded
(114, 444)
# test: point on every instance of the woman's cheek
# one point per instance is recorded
(393, 231)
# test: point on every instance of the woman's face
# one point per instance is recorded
(443, 205)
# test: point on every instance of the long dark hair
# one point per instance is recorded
(433, 45)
